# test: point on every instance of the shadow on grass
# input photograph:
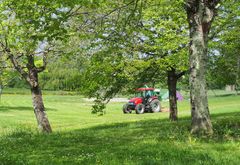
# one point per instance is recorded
(142, 142)
(19, 108)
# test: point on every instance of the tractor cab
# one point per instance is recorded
(145, 92)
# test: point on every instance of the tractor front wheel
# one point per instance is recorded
(126, 109)
(139, 109)
(155, 106)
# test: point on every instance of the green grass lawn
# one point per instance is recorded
(80, 137)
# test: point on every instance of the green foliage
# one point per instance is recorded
(33, 28)
(63, 74)
(224, 65)
(32, 22)
(136, 45)
(9, 78)
(25, 91)
(99, 106)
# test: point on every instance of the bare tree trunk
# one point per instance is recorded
(39, 109)
(172, 88)
(200, 16)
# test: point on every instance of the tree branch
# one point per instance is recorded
(44, 58)
(14, 61)
(102, 17)
(17, 66)
(179, 75)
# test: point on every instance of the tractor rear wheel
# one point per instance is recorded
(140, 109)
(126, 109)
(155, 106)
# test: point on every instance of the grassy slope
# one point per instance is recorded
(82, 138)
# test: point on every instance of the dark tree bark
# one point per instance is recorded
(200, 16)
(172, 89)
(39, 109)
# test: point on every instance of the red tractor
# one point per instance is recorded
(146, 100)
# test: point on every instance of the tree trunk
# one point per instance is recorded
(172, 88)
(39, 109)
(200, 16)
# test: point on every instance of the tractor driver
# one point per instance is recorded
(148, 95)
